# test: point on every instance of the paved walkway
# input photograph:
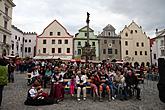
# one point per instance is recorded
(14, 95)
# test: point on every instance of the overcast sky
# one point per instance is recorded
(35, 15)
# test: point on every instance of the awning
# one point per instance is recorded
(53, 57)
(43, 57)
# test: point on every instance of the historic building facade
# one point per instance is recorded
(80, 41)
(109, 44)
(158, 46)
(6, 7)
(55, 42)
(135, 45)
(16, 42)
(29, 44)
(22, 43)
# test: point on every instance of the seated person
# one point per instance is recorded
(36, 96)
(104, 85)
(81, 79)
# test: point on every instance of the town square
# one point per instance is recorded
(82, 55)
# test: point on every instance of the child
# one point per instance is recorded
(72, 85)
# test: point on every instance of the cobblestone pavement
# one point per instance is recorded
(14, 95)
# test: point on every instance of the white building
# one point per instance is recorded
(29, 44)
(22, 43)
(135, 45)
(6, 7)
(158, 46)
(55, 42)
(16, 42)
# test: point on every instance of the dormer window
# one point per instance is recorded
(126, 34)
(109, 33)
(131, 31)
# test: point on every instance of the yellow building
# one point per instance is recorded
(135, 45)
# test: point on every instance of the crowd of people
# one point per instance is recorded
(106, 80)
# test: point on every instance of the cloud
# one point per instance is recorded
(35, 15)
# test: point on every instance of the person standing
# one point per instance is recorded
(11, 68)
(3, 76)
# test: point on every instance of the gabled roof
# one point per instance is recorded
(128, 27)
(81, 30)
(160, 33)
(109, 27)
(133, 23)
(51, 24)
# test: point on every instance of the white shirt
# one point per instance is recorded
(33, 92)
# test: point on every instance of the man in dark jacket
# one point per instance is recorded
(11, 68)
(132, 83)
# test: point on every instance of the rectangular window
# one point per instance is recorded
(141, 53)
(59, 41)
(79, 52)
(58, 33)
(5, 24)
(126, 43)
(53, 41)
(6, 10)
(85, 34)
(137, 44)
(53, 50)
(59, 50)
(79, 43)
(145, 52)
(162, 52)
(126, 52)
(155, 56)
(116, 51)
(93, 43)
(113, 41)
(16, 37)
(51, 33)
(109, 50)
(161, 42)
(44, 41)
(25, 49)
(4, 39)
(25, 40)
(142, 44)
(12, 46)
(44, 50)
(66, 41)
(85, 43)
(68, 50)
(29, 40)
(104, 51)
(21, 47)
(29, 49)
(105, 41)
(135, 52)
